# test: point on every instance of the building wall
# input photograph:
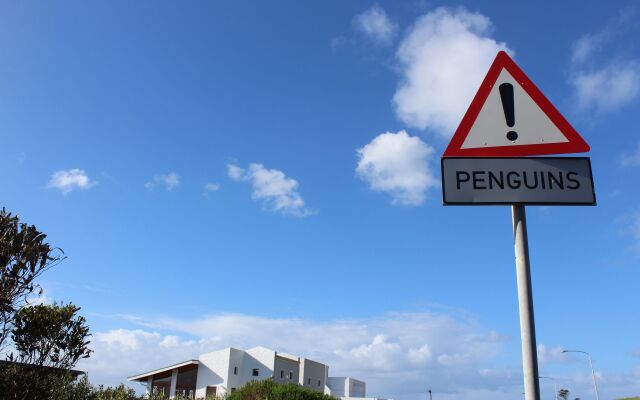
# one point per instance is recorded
(356, 388)
(285, 365)
(236, 359)
(261, 358)
(217, 369)
(337, 386)
(213, 371)
(312, 374)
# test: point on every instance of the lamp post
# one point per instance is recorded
(555, 385)
(429, 394)
(593, 374)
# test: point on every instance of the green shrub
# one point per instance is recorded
(270, 390)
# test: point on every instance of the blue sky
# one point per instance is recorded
(236, 173)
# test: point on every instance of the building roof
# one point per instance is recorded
(287, 356)
(144, 376)
(73, 372)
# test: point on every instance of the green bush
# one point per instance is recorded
(270, 390)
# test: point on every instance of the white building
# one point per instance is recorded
(225, 370)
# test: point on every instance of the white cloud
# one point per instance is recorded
(607, 88)
(69, 180)
(632, 159)
(443, 59)
(211, 187)
(548, 354)
(394, 353)
(235, 172)
(376, 25)
(397, 164)
(169, 181)
(603, 87)
(629, 225)
(634, 225)
(272, 188)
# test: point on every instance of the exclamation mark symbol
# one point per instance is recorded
(506, 95)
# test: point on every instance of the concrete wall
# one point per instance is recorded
(356, 388)
(261, 358)
(312, 374)
(284, 365)
(337, 386)
(236, 359)
(213, 371)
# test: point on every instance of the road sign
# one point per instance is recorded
(524, 180)
(509, 116)
(485, 163)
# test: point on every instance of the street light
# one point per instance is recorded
(555, 385)
(429, 394)
(593, 374)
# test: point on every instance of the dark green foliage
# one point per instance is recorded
(19, 382)
(120, 392)
(563, 394)
(50, 335)
(24, 255)
(270, 390)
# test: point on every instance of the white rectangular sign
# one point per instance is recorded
(524, 180)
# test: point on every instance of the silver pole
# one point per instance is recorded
(525, 302)
(593, 375)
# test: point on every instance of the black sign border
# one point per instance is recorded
(503, 203)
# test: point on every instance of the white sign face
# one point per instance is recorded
(524, 180)
(530, 124)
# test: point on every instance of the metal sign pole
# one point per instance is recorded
(525, 301)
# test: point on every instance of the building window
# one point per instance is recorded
(281, 373)
(318, 382)
(290, 374)
(235, 370)
(308, 381)
(233, 390)
(255, 372)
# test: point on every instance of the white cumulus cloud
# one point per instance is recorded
(69, 180)
(168, 181)
(393, 352)
(376, 25)
(397, 164)
(443, 59)
(276, 191)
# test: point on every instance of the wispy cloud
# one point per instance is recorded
(605, 86)
(271, 187)
(631, 159)
(397, 164)
(167, 181)
(442, 60)
(70, 180)
(211, 187)
(375, 24)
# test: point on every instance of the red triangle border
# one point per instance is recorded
(576, 143)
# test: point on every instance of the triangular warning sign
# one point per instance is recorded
(510, 117)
